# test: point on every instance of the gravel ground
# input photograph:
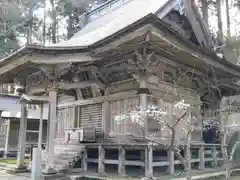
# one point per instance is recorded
(5, 176)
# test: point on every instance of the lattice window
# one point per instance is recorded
(91, 116)
(87, 92)
(116, 66)
(84, 76)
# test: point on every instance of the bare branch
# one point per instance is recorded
(179, 119)
(181, 159)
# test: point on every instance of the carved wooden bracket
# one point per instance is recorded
(54, 72)
(144, 62)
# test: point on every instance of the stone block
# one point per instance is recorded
(58, 176)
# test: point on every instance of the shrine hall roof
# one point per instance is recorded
(111, 26)
(100, 27)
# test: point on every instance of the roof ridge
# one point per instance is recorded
(104, 6)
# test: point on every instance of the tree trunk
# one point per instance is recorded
(44, 25)
(54, 22)
(29, 33)
(228, 19)
(70, 21)
(219, 15)
(205, 11)
(30, 27)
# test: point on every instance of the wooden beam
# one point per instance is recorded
(175, 64)
(163, 11)
(199, 56)
(164, 87)
(110, 97)
(83, 84)
(63, 58)
(196, 23)
(11, 66)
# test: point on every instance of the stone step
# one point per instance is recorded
(69, 145)
(67, 157)
(67, 154)
(59, 168)
(62, 161)
(69, 150)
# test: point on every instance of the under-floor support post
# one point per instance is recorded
(214, 156)
(171, 162)
(121, 159)
(101, 158)
(201, 154)
(150, 161)
(146, 161)
(84, 160)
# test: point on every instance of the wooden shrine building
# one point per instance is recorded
(10, 125)
(128, 53)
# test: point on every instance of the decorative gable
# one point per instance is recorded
(183, 17)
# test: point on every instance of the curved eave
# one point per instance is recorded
(149, 19)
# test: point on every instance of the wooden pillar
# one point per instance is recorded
(171, 162)
(75, 116)
(22, 137)
(52, 131)
(8, 129)
(40, 127)
(106, 114)
(144, 101)
(105, 118)
(201, 154)
(78, 116)
(121, 160)
(84, 160)
(101, 158)
(214, 156)
(223, 116)
(53, 121)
